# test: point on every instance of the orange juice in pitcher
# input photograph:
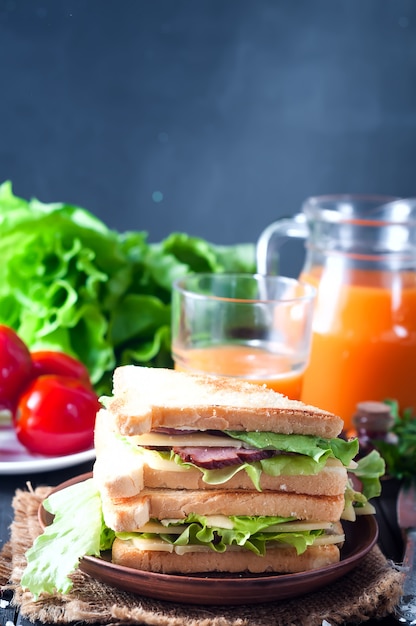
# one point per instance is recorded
(361, 257)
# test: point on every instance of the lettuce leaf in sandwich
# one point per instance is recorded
(250, 532)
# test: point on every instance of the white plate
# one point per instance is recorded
(16, 459)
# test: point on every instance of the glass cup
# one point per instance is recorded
(245, 326)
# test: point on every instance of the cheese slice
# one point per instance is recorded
(199, 439)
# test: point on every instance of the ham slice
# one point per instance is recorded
(216, 458)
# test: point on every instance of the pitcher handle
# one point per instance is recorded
(293, 227)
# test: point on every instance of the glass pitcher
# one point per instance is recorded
(361, 257)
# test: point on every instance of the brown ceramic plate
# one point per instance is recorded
(360, 537)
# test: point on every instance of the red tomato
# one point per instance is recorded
(50, 362)
(15, 366)
(56, 415)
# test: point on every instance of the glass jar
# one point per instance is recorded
(361, 257)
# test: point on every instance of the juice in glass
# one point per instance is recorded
(363, 340)
(243, 326)
(255, 365)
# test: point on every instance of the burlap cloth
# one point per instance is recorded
(369, 591)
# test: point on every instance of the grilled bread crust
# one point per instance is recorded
(147, 398)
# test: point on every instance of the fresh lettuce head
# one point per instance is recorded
(70, 283)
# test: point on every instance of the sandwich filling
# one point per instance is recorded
(220, 455)
(219, 533)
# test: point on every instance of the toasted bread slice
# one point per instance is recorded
(129, 514)
(282, 560)
(147, 398)
(121, 471)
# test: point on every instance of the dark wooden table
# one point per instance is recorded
(390, 539)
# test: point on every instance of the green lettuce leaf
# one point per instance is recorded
(369, 470)
(70, 283)
(248, 532)
(318, 448)
(77, 530)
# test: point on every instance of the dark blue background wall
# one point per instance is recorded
(209, 116)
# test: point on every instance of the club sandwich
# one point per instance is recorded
(210, 474)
